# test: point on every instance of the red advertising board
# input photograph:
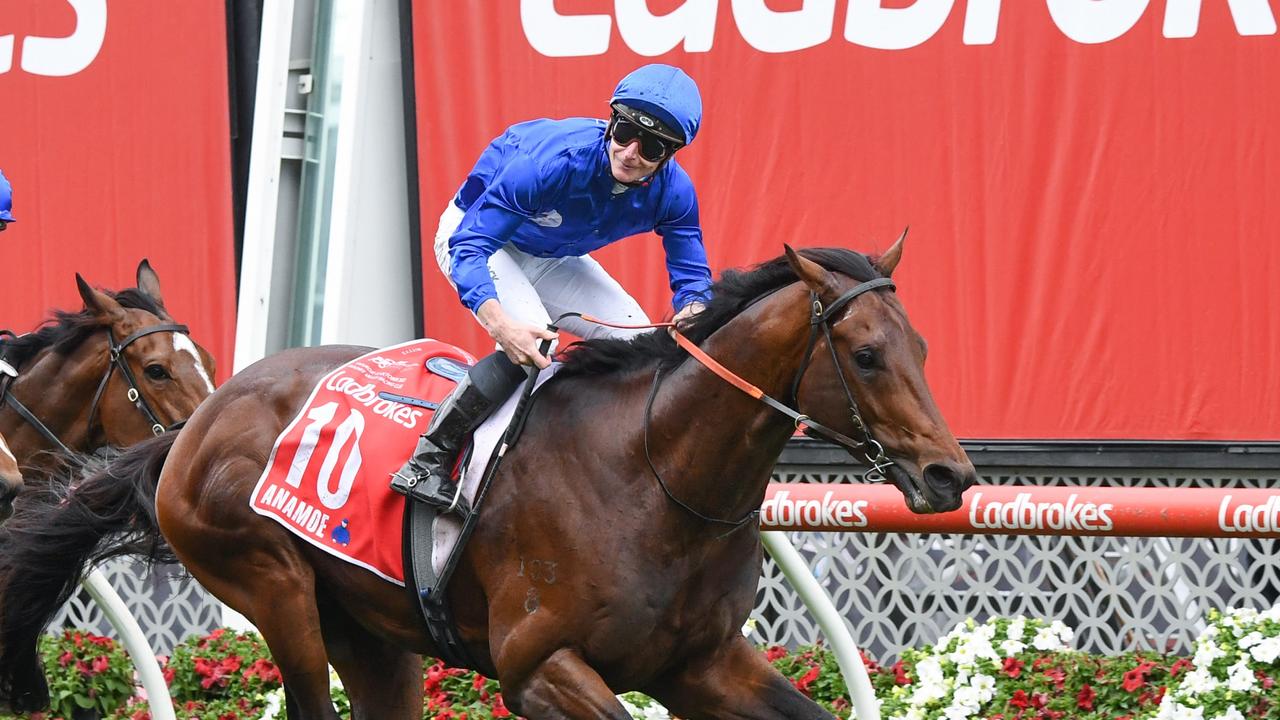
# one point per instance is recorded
(114, 132)
(1090, 186)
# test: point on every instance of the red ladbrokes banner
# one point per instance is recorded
(114, 132)
(1091, 186)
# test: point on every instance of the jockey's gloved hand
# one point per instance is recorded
(519, 340)
(685, 313)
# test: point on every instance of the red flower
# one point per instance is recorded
(66, 658)
(1265, 679)
(1137, 677)
(100, 664)
(1056, 676)
(1020, 699)
(263, 669)
(1084, 700)
(774, 653)
(900, 675)
(1012, 667)
(1179, 666)
(803, 683)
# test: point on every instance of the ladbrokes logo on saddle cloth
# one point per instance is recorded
(327, 478)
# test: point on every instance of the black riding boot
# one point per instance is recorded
(428, 475)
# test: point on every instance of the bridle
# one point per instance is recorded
(820, 320)
(116, 359)
(821, 317)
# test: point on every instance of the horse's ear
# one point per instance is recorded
(889, 260)
(814, 275)
(98, 302)
(149, 282)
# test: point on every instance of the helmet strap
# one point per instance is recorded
(608, 137)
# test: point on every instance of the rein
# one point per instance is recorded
(116, 354)
(820, 317)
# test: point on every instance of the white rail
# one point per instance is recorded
(135, 643)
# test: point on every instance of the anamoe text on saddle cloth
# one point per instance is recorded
(328, 474)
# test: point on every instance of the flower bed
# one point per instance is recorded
(1006, 669)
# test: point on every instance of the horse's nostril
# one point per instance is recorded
(944, 477)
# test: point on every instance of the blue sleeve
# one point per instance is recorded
(682, 239)
(509, 199)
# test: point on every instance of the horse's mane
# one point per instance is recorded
(735, 290)
(66, 330)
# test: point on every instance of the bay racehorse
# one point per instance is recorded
(10, 480)
(618, 546)
(118, 371)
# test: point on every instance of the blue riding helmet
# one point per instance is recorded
(6, 199)
(667, 94)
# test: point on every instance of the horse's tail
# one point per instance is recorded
(55, 536)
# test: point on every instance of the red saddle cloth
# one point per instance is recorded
(328, 474)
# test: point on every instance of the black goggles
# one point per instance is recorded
(652, 147)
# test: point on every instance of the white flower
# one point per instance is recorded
(1016, 628)
(1012, 647)
(655, 712)
(1250, 640)
(1206, 653)
(275, 700)
(1240, 678)
(1231, 714)
(1046, 639)
(1184, 712)
(985, 686)
(980, 647)
(962, 655)
(929, 671)
(1063, 632)
(1267, 650)
(966, 697)
(1198, 681)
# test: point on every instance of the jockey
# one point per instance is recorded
(6, 202)
(514, 243)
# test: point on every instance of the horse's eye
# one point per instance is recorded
(866, 359)
(157, 372)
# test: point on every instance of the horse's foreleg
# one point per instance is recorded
(735, 682)
(382, 681)
(563, 686)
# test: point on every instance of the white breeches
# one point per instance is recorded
(537, 290)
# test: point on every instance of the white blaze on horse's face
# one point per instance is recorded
(4, 450)
(182, 343)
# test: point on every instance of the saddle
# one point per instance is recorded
(325, 480)
(434, 539)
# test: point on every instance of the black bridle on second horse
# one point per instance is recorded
(116, 359)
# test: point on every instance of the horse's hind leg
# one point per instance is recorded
(270, 582)
(563, 686)
(382, 681)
